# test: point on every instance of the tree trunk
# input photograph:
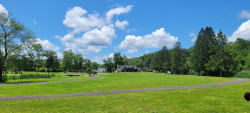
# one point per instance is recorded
(220, 73)
(220, 59)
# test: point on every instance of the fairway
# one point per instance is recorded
(109, 82)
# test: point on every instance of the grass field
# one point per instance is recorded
(221, 99)
(228, 98)
(109, 82)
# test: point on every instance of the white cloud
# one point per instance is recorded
(121, 25)
(242, 32)
(111, 55)
(131, 51)
(194, 39)
(34, 21)
(244, 14)
(57, 36)
(79, 21)
(128, 30)
(100, 37)
(117, 11)
(47, 45)
(98, 34)
(134, 29)
(2, 9)
(116, 48)
(147, 51)
(91, 41)
(157, 39)
(59, 55)
(192, 34)
(99, 59)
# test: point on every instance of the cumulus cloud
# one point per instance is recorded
(99, 59)
(47, 45)
(2, 9)
(244, 14)
(91, 41)
(242, 32)
(121, 25)
(79, 21)
(134, 29)
(59, 55)
(100, 37)
(147, 51)
(34, 21)
(117, 11)
(131, 51)
(111, 55)
(157, 39)
(98, 30)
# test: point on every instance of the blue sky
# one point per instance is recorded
(99, 28)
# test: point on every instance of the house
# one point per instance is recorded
(101, 70)
(128, 68)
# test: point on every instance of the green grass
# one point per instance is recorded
(221, 99)
(109, 82)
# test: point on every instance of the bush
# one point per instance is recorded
(243, 74)
(202, 73)
(4, 78)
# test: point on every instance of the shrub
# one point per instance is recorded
(4, 78)
(243, 74)
(202, 73)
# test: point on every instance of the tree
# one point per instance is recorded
(176, 57)
(201, 52)
(218, 60)
(166, 59)
(38, 49)
(94, 65)
(14, 36)
(125, 60)
(51, 56)
(67, 59)
(118, 59)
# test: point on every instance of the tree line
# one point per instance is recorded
(211, 55)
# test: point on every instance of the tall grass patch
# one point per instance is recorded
(25, 76)
(243, 74)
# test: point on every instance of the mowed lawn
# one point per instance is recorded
(220, 99)
(109, 82)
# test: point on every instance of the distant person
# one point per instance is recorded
(247, 96)
(89, 74)
(93, 73)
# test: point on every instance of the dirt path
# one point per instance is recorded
(238, 80)
(16, 84)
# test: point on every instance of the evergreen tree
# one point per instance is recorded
(218, 60)
(176, 57)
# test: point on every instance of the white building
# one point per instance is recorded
(101, 70)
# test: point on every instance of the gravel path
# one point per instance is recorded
(238, 80)
(17, 84)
